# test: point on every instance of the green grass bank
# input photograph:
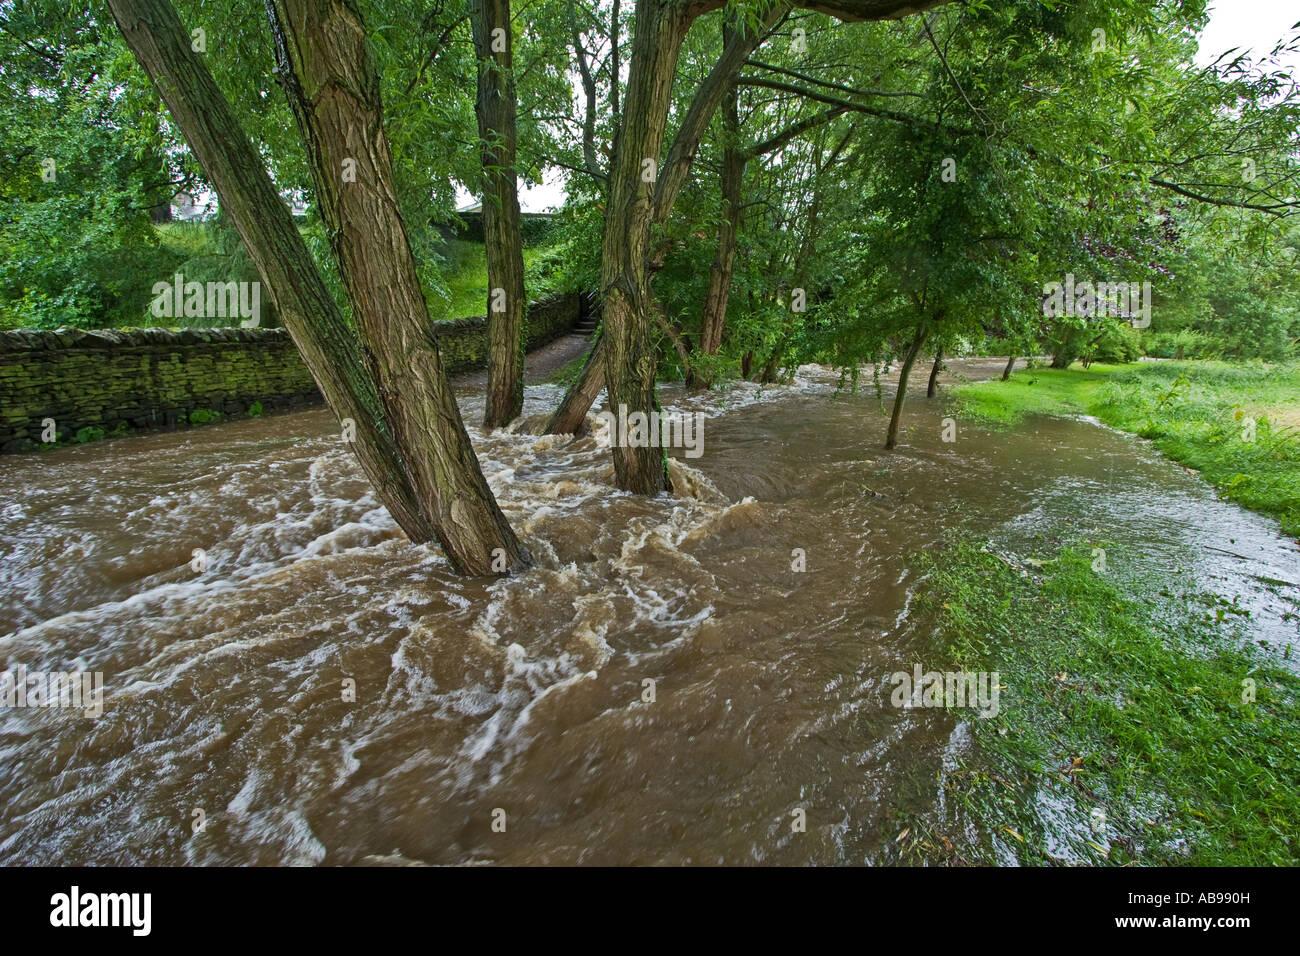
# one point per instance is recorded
(1237, 425)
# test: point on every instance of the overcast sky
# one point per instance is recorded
(1254, 25)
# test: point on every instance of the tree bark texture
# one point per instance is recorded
(333, 90)
(302, 301)
(495, 107)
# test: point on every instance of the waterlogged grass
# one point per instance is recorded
(568, 373)
(1125, 733)
(1239, 426)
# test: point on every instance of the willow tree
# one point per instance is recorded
(231, 164)
(495, 107)
(644, 182)
(410, 437)
(990, 183)
(333, 89)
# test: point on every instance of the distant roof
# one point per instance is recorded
(476, 207)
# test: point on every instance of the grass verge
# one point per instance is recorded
(1125, 733)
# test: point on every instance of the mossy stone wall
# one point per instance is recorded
(154, 378)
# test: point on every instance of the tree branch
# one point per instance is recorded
(741, 42)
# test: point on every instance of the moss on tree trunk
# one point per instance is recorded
(329, 348)
(333, 90)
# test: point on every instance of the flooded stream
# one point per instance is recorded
(226, 699)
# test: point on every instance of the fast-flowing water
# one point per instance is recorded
(231, 732)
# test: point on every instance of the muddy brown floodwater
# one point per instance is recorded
(224, 689)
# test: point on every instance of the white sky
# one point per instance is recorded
(548, 197)
(1254, 25)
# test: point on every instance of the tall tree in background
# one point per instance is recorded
(644, 183)
(333, 90)
(732, 178)
(495, 107)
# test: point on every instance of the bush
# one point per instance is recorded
(1182, 344)
(1118, 345)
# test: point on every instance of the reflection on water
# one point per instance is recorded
(230, 691)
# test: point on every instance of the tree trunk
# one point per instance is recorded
(1066, 349)
(302, 301)
(333, 90)
(733, 174)
(772, 367)
(642, 194)
(903, 374)
(932, 389)
(570, 417)
(629, 359)
(747, 364)
(495, 107)
(1006, 372)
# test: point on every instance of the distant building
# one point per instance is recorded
(533, 225)
(188, 207)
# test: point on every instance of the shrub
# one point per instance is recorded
(1118, 345)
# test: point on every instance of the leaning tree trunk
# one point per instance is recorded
(933, 387)
(231, 164)
(714, 318)
(570, 417)
(892, 439)
(333, 90)
(1006, 372)
(495, 107)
